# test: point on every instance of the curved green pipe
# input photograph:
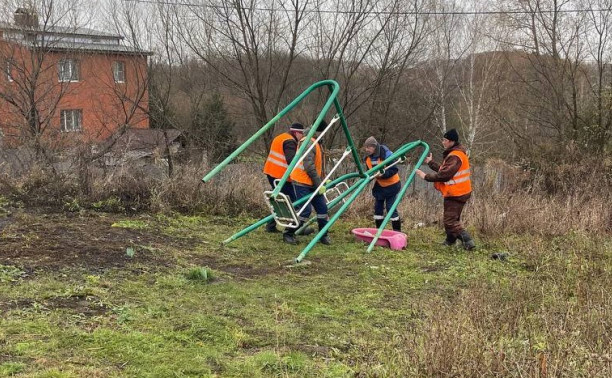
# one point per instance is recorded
(264, 220)
(335, 88)
(401, 193)
(362, 183)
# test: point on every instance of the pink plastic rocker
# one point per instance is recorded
(389, 239)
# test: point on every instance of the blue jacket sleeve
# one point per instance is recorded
(391, 170)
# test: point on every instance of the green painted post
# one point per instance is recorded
(362, 185)
(401, 193)
(250, 228)
(355, 189)
(356, 156)
(263, 221)
(334, 87)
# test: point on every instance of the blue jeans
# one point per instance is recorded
(318, 202)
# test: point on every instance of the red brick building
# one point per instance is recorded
(68, 84)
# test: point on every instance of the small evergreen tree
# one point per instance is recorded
(213, 130)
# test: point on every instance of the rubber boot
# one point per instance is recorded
(450, 240)
(378, 222)
(468, 242)
(397, 225)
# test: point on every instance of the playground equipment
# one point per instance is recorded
(340, 194)
(390, 239)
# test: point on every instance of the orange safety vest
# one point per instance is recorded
(383, 181)
(299, 175)
(461, 183)
(276, 163)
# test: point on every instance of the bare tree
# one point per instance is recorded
(342, 44)
(449, 44)
(550, 71)
(477, 80)
(31, 91)
(399, 48)
(598, 36)
(251, 45)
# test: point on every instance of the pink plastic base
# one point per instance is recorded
(389, 239)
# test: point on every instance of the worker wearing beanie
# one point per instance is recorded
(387, 184)
(307, 177)
(282, 152)
(452, 179)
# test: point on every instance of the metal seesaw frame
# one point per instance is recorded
(362, 177)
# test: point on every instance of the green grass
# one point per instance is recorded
(239, 311)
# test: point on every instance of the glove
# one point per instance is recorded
(322, 190)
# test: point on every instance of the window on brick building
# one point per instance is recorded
(9, 65)
(68, 70)
(71, 120)
(119, 72)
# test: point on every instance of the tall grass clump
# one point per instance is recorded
(506, 199)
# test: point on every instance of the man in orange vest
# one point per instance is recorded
(282, 152)
(452, 179)
(307, 176)
(387, 184)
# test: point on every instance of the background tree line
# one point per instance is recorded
(529, 78)
(528, 81)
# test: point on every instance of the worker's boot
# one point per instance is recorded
(306, 231)
(450, 240)
(271, 226)
(325, 238)
(468, 242)
(378, 222)
(289, 238)
(397, 225)
(289, 234)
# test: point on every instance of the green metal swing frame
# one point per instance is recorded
(361, 178)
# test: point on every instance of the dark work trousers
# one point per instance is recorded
(287, 189)
(318, 202)
(453, 206)
(383, 200)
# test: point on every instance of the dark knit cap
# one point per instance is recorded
(297, 127)
(452, 135)
(322, 126)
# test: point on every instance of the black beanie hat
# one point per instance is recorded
(297, 127)
(322, 126)
(452, 135)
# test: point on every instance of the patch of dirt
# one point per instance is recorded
(11, 305)
(265, 268)
(80, 304)
(250, 271)
(4, 221)
(35, 241)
